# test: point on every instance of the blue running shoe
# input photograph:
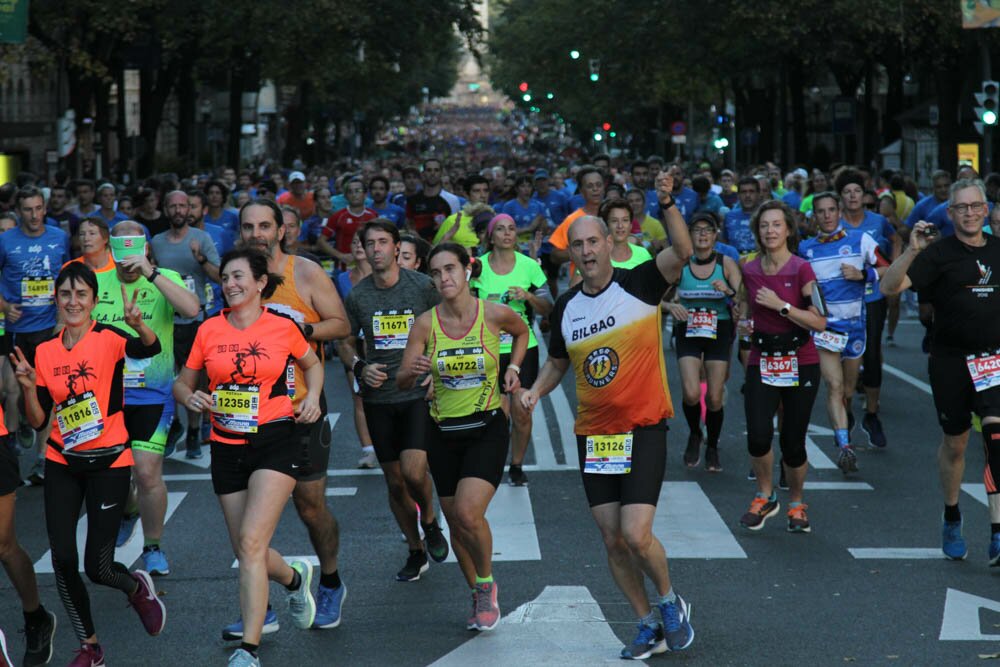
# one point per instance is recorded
(126, 529)
(995, 550)
(646, 643)
(154, 561)
(677, 624)
(234, 631)
(329, 602)
(952, 542)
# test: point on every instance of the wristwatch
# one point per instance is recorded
(787, 308)
(153, 275)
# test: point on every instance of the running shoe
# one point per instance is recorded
(647, 642)
(154, 561)
(193, 445)
(891, 340)
(243, 658)
(677, 624)
(174, 436)
(692, 455)
(25, 436)
(368, 459)
(36, 477)
(416, 565)
(471, 623)
(847, 460)
(39, 640)
(798, 521)
(995, 550)
(952, 542)
(300, 601)
(126, 529)
(872, 426)
(752, 476)
(88, 655)
(761, 509)
(487, 608)
(517, 476)
(434, 541)
(712, 459)
(147, 605)
(5, 660)
(234, 631)
(329, 604)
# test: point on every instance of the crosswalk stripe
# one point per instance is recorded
(512, 522)
(689, 526)
(127, 554)
(897, 553)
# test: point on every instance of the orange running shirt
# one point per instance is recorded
(246, 371)
(287, 301)
(560, 237)
(86, 390)
(614, 342)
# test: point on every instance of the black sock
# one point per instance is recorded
(37, 617)
(296, 581)
(250, 648)
(952, 513)
(693, 415)
(713, 425)
(331, 580)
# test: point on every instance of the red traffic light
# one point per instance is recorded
(523, 87)
(606, 126)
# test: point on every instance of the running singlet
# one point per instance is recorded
(527, 275)
(84, 388)
(698, 294)
(843, 297)
(639, 255)
(29, 267)
(523, 216)
(286, 300)
(787, 284)
(383, 318)
(147, 381)
(882, 231)
(614, 341)
(465, 369)
(738, 234)
(246, 372)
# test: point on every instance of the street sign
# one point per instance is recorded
(679, 139)
(678, 127)
(13, 21)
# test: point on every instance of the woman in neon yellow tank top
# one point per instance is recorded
(458, 343)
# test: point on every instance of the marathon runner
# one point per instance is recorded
(255, 457)
(955, 276)
(149, 410)
(843, 261)
(513, 279)
(305, 296)
(458, 343)
(703, 335)
(783, 367)
(383, 306)
(77, 379)
(609, 329)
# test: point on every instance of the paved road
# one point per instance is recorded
(867, 586)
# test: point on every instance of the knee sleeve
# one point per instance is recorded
(991, 473)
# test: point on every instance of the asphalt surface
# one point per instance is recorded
(766, 598)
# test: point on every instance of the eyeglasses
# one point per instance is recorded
(702, 230)
(975, 207)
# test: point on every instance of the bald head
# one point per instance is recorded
(584, 226)
(128, 228)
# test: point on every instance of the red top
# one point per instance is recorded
(246, 371)
(343, 224)
(787, 283)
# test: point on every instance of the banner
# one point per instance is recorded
(13, 21)
(979, 13)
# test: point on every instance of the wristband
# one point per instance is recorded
(202, 260)
(515, 367)
(356, 370)
(665, 207)
(154, 275)
(308, 330)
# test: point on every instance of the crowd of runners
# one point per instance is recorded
(205, 313)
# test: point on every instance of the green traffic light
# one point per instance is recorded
(526, 97)
(574, 54)
(598, 136)
(990, 117)
(549, 96)
(594, 77)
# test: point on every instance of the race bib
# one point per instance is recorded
(209, 296)
(391, 330)
(831, 340)
(462, 368)
(984, 369)
(329, 265)
(190, 284)
(506, 339)
(134, 373)
(702, 323)
(235, 407)
(38, 291)
(290, 379)
(79, 419)
(608, 454)
(779, 370)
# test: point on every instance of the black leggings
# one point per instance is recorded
(105, 493)
(875, 313)
(761, 402)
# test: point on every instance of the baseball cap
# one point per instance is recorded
(296, 176)
(541, 173)
(801, 173)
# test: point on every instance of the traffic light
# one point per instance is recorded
(574, 54)
(549, 96)
(721, 143)
(523, 87)
(598, 136)
(526, 97)
(989, 105)
(606, 126)
(595, 69)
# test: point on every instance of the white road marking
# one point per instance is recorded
(907, 378)
(961, 617)
(565, 418)
(896, 553)
(689, 526)
(342, 491)
(513, 524)
(817, 458)
(838, 486)
(562, 627)
(127, 554)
